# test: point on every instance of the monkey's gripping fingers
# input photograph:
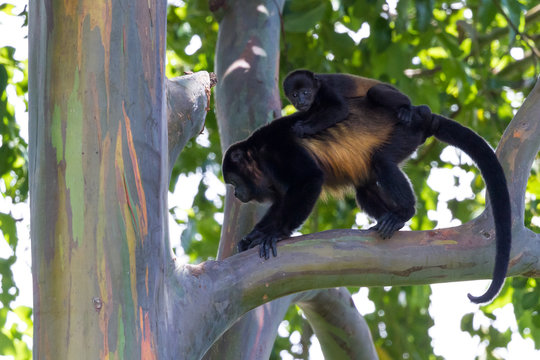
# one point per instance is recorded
(250, 240)
(387, 225)
(266, 243)
(405, 114)
(299, 129)
(270, 243)
(305, 128)
(247, 241)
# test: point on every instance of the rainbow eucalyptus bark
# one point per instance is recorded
(99, 177)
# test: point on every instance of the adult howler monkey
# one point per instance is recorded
(323, 98)
(363, 152)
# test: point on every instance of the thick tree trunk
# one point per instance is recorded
(99, 179)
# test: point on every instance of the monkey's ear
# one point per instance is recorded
(317, 81)
(237, 155)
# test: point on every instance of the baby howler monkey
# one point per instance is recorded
(362, 152)
(323, 98)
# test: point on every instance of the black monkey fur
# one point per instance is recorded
(323, 98)
(364, 152)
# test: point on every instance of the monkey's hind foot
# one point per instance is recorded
(387, 225)
(405, 114)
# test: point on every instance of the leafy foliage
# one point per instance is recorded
(397, 306)
(471, 60)
(13, 189)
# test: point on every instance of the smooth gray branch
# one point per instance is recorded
(342, 331)
(188, 101)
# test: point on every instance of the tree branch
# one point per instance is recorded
(518, 148)
(530, 18)
(516, 67)
(341, 330)
(188, 99)
(359, 258)
(515, 28)
(254, 335)
(224, 290)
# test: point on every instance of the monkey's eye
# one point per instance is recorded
(306, 92)
(294, 94)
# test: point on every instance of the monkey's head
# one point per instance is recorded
(301, 87)
(241, 170)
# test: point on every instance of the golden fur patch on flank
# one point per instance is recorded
(362, 85)
(344, 150)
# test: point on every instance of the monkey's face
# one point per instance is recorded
(300, 87)
(241, 171)
(241, 190)
(302, 98)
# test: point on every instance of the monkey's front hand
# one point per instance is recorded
(247, 240)
(267, 242)
(243, 245)
(302, 129)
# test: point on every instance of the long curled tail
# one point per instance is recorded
(476, 147)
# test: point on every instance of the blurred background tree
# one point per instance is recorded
(472, 60)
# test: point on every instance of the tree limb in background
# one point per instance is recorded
(247, 96)
(342, 331)
(188, 98)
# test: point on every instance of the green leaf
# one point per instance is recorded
(7, 8)
(402, 21)
(382, 34)
(486, 13)
(8, 228)
(3, 78)
(530, 300)
(424, 13)
(514, 10)
(535, 318)
(25, 315)
(6, 345)
(301, 16)
(519, 282)
(467, 322)
(450, 43)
